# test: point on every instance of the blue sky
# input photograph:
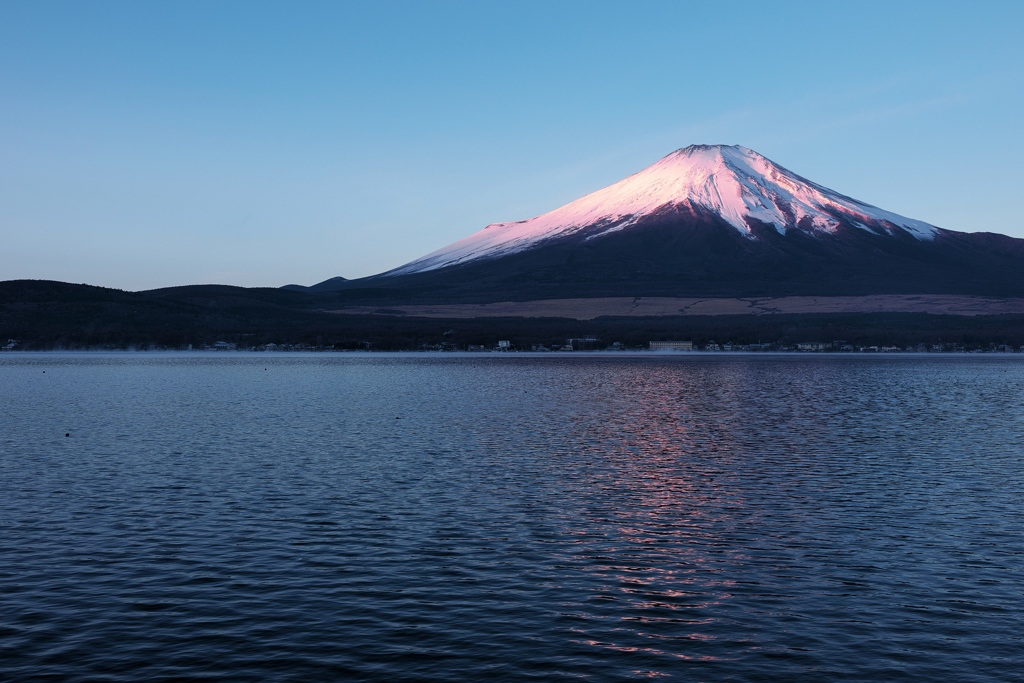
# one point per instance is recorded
(154, 144)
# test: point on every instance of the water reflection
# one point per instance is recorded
(601, 518)
(654, 490)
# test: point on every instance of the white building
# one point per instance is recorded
(671, 346)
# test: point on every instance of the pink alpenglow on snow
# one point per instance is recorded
(736, 183)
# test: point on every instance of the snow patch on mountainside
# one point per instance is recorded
(734, 182)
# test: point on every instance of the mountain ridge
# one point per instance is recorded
(737, 254)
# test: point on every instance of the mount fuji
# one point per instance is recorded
(707, 220)
(737, 184)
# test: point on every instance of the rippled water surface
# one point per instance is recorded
(511, 517)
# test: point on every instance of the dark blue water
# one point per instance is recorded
(508, 517)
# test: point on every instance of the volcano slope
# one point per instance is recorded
(705, 221)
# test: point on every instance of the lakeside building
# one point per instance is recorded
(582, 344)
(671, 346)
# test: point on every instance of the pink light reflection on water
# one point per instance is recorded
(658, 558)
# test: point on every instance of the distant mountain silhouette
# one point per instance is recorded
(326, 286)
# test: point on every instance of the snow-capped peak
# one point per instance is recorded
(737, 183)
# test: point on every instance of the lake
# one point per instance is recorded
(507, 517)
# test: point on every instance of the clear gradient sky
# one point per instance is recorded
(149, 144)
